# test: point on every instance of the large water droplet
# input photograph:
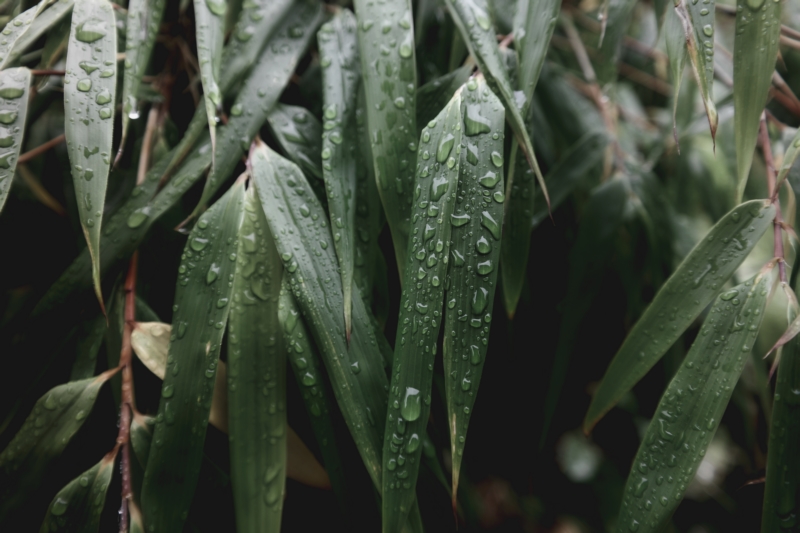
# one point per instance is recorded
(218, 7)
(488, 222)
(489, 180)
(438, 187)
(479, 300)
(475, 123)
(59, 506)
(11, 93)
(445, 145)
(411, 407)
(91, 30)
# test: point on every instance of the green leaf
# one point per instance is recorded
(210, 33)
(256, 378)
(90, 337)
(755, 49)
(434, 95)
(306, 365)
(697, 19)
(14, 92)
(55, 46)
(388, 66)
(90, 87)
(44, 21)
(340, 76)
(299, 134)
(783, 462)
(201, 309)
(534, 22)
(675, 40)
(422, 303)
(142, 436)
(261, 91)
(16, 29)
(681, 299)
(474, 257)
(143, 22)
(789, 157)
(616, 19)
(472, 19)
(78, 506)
(55, 419)
(691, 408)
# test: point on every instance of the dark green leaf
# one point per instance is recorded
(299, 134)
(210, 34)
(14, 92)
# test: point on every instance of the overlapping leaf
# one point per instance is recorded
(14, 90)
(681, 299)
(691, 408)
(14, 32)
(210, 33)
(201, 309)
(90, 88)
(299, 134)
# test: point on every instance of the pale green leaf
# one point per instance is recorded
(14, 92)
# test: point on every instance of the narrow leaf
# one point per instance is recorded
(783, 462)
(150, 343)
(90, 87)
(472, 19)
(55, 419)
(90, 337)
(14, 91)
(534, 23)
(15, 30)
(201, 309)
(388, 65)
(691, 408)
(474, 256)
(422, 303)
(257, 378)
(675, 40)
(78, 506)
(616, 20)
(680, 300)
(210, 33)
(789, 157)
(697, 19)
(30, 33)
(299, 134)
(340, 76)
(434, 95)
(143, 22)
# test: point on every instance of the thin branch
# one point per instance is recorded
(777, 224)
(147, 145)
(30, 154)
(49, 72)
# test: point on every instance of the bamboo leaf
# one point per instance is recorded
(422, 303)
(143, 22)
(475, 252)
(691, 408)
(90, 337)
(14, 91)
(299, 134)
(755, 49)
(261, 91)
(472, 19)
(616, 20)
(388, 66)
(42, 23)
(789, 157)
(306, 365)
(78, 506)
(15, 30)
(534, 22)
(783, 462)
(150, 343)
(697, 19)
(434, 95)
(257, 378)
(90, 87)
(210, 33)
(338, 51)
(675, 40)
(201, 310)
(55, 419)
(681, 299)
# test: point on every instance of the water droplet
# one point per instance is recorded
(85, 85)
(474, 355)
(91, 30)
(489, 180)
(729, 295)
(708, 30)
(308, 379)
(475, 123)
(88, 67)
(483, 245)
(438, 187)
(218, 7)
(459, 220)
(198, 244)
(413, 443)
(11, 93)
(411, 408)
(6, 140)
(59, 506)
(479, 300)
(488, 222)
(497, 159)
(485, 267)
(8, 117)
(445, 145)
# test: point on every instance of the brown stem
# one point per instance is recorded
(777, 224)
(128, 400)
(30, 154)
(49, 72)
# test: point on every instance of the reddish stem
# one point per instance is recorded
(777, 224)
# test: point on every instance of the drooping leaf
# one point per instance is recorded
(472, 19)
(421, 304)
(257, 377)
(680, 300)
(340, 76)
(55, 419)
(14, 90)
(783, 462)
(30, 33)
(90, 87)
(306, 365)
(210, 34)
(474, 257)
(692, 406)
(534, 22)
(16, 29)
(143, 22)
(299, 134)
(697, 19)
(201, 309)
(78, 506)
(388, 67)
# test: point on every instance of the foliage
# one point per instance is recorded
(587, 208)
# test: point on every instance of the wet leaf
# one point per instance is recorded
(78, 506)
(14, 92)
(201, 309)
(299, 134)
(434, 95)
(90, 87)
(680, 300)
(691, 408)
(389, 70)
(534, 23)
(474, 257)
(210, 34)
(791, 152)
(14, 31)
